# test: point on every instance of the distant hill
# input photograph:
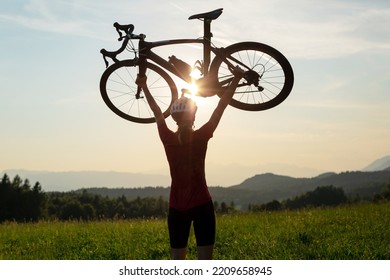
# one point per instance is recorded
(73, 180)
(261, 188)
(378, 165)
(264, 188)
(357, 183)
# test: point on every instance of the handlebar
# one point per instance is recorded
(128, 29)
(128, 34)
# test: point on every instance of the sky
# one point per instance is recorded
(336, 118)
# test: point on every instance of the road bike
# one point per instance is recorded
(267, 81)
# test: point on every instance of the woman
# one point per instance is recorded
(189, 200)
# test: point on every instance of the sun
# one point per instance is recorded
(193, 88)
(195, 75)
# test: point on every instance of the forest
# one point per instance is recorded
(22, 202)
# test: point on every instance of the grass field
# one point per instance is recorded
(352, 232)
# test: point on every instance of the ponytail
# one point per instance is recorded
(184, 134)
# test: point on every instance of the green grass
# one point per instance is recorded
(350, 232)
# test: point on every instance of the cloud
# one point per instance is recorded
(46, 24)
(56, 17)
(329, 30)
(323, 30)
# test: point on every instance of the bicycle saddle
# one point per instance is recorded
(209, 15)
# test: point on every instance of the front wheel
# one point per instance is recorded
(268, 79)
(119, 91)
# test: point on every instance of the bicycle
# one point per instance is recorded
(267, 82)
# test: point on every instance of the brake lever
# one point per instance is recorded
(116, 25)
(111, 55)
(127, 29)
(104, 54)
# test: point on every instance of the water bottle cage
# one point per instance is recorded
(182, 67)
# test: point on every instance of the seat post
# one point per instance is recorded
(207, 45)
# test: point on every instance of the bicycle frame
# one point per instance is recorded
(146, 53)
(268, 76)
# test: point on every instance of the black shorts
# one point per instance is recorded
(179, 224)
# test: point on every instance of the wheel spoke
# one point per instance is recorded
(120, 91)
(267, 85)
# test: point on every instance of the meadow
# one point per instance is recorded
(353, 232)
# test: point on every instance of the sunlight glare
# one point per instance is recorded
(193, 89)
(192, 92)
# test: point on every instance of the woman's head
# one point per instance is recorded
(183, 110)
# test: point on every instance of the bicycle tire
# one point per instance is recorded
(118, 90)
(277, 77)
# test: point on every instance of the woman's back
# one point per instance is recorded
(187, 166)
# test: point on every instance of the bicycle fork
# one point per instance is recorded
(141, 61)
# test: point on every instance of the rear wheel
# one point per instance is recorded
(268, 80)
(119, 91)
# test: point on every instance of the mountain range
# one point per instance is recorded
(264, 188)
(378, 165)
(258, 189)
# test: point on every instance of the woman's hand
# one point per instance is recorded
(238, 72)
(141, 81)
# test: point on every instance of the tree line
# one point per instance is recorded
(21, 202)
(324, 196)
